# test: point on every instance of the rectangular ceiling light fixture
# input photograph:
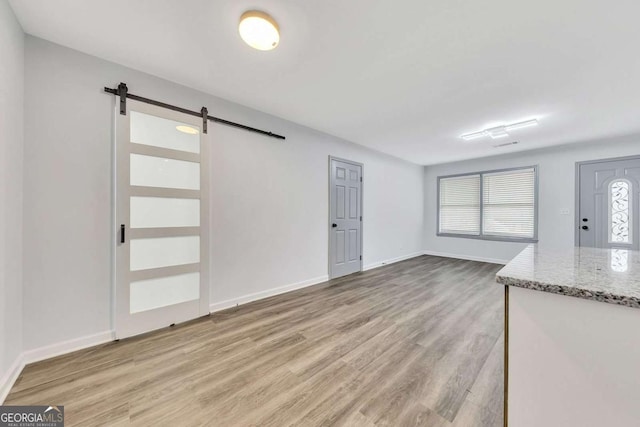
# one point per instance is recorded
(520, 125)
(499, 131)
(475, 135)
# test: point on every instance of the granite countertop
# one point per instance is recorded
(605, 275)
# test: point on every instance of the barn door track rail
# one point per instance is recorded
(123, 92)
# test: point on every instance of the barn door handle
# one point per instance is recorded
(122, 231)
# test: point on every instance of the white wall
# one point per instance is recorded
(556, 192)
(11, 142)
(269, 197)
(270, 208)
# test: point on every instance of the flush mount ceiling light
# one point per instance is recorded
(499, 131)
(259, 30)
(188, 129)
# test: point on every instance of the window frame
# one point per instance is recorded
(481, 235)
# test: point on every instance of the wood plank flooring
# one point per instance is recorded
(418, 342)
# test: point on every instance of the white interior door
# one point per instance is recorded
(609, 204)
(345, 218)
(161, 259)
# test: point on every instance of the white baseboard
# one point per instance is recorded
(9, 378)
(47, 352)
(391, 261)
(217, 306)
(222, 305)
(467, 257)
(64, 347)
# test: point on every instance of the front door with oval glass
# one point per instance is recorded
(161, 230)
(609, 204)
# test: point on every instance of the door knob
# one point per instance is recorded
(584, 227)
(334, 225)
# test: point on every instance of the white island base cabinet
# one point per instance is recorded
(571, 361)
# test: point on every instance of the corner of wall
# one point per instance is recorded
(12, 52)
(424, 208)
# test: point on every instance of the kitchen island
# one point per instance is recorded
(572, 337)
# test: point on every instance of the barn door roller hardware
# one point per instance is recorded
(123, 92)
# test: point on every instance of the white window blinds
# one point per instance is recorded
(508, 203)
(495, 205)
(460, 205)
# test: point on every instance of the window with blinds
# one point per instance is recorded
(460, 205)
(496, 205)
(508, 203)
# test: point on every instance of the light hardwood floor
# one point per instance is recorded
(418, 342)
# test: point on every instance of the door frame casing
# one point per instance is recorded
(120, 210)
(361, 165)
(576, 217)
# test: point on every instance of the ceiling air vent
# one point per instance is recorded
(505, 144)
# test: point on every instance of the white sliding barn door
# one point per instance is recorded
(162, 233)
